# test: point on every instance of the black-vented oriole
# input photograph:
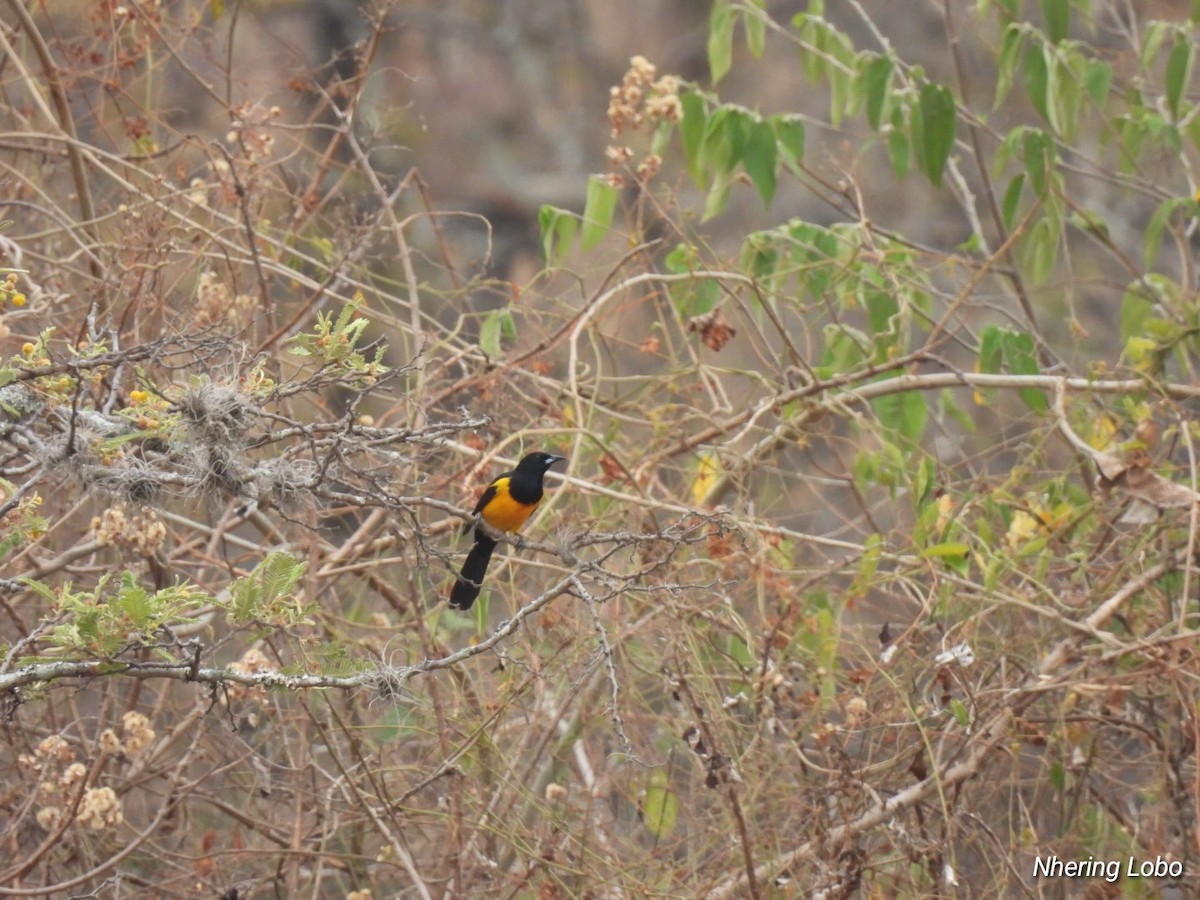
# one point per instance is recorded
(505, 505)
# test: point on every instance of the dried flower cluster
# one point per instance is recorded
(140, 530)
(100, 809)
(714, 329)
(639, 98)
(215, 303)
(250, 131)
(60, 777)
(138, 733)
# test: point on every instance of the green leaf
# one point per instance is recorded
(1136, 309)
(876, 79)
(881, 307)
(809, 34)
(1037, 81)
(660, 806)
(1037, 149)
(1152, 240)
(991, 355)
(904, 412)
(1089, 222)
(718, 195)
(868, 565)
(489, 334)
(1006, 62)
(960, 713)
(558, 229)
(720, 40)
(950, 548)
(759, 258)
(923, 481)
(899, 148)
(695, 296)
(1057, 16)
(700, 296)
(259, 595)
(991, 349)
(814, 252)
(789, 131)
(759, 160)
(692, 126)
(135, 602)
(1097, 81)
(844, 349)
(1154, 36)
(937, 122)
(841, 95)
(1003, 349)
(1179, 67)
(1067, 100)
(597, 211)
(661, 138)
(1039, 250)
(755, 22)
(1020, 358)
(724, 140)
(1012, 198)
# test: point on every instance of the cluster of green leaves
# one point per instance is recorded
(1005, 350)
(335, 342)
(560, 227)
(916, 116)
(267, 595)
(1159, 321)
(721, 140)
(878, 290)
(22, 523)
(116, 615)
(1150, 118)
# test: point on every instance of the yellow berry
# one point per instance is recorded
(18, 299)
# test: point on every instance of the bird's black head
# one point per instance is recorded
(538, 462)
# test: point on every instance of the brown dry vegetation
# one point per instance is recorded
(873, 568)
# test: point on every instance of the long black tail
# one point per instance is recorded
(470, 580)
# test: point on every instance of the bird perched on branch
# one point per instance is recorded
(505, 505)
